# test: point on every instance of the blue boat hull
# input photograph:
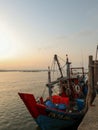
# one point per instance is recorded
(58, 121)
(47, 123)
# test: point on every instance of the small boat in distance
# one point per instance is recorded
(64, 109)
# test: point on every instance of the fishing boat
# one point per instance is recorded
(64, 109)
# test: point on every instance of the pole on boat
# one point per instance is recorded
(68, 67)
(56, 59)
(49, 85)
(70, 88)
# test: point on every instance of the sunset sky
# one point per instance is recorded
(32, 31)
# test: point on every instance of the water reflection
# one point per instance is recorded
(13, 113)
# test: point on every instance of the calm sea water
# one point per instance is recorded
(13, 113)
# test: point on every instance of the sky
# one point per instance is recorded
(32, 31)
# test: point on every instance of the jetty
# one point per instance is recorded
(90, 120)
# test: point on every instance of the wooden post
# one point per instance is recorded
(96, 75)
(91, 89)
(96, 71)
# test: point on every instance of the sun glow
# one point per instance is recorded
(5, 46)
(6, 42)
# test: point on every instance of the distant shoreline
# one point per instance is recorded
(23, 70)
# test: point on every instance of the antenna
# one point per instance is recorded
(96, 53)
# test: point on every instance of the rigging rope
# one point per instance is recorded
(43, 92)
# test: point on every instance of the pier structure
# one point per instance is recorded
(90, 121)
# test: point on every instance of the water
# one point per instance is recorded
(13, 113)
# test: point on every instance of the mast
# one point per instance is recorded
(49, 85)
(56, 59)
(68, 67)
(70, 88)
